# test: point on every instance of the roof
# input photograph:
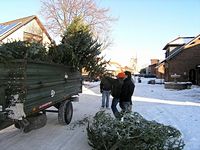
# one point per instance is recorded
(153, 65)
(179, 49)
(160, 64)
(179, 42)
(114, 63)
(9, 27)
(114, 66)
(126, 68)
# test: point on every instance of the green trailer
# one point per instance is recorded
(29, 88)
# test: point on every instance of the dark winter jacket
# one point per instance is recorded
(116, 88)
(127, 90)
(105, 84)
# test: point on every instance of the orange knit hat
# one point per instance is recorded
(121, 75)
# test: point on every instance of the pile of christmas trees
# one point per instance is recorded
(22, 50)
(131, 132)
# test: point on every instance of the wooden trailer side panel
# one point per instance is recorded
(37, 85)
(49, 84)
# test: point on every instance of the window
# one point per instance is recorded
(166, 53)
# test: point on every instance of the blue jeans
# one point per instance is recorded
(115, 111)
(105, 98)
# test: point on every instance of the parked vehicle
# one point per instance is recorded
(27, 89)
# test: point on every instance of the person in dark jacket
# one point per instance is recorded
(105, 89)
(126, 93)
(115, 92)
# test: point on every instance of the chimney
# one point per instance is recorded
(154, 61)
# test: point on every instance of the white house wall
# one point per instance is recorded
(17, 35)
(172, 48)
(31, 27)
(46, 39)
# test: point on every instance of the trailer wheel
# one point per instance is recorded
(35, 121)
(65, 112)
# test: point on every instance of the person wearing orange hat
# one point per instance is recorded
(121, 75)
(115, 92)
(126, 93)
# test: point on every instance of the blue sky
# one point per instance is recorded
(143, 27)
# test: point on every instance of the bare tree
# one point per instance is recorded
(60, 13)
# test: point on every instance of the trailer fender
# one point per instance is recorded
(74, 99)
(16, 111)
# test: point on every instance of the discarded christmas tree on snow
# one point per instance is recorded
(132, 132)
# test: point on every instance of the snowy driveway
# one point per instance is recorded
(180, 109)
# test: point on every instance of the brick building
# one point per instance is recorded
(152, 67)
(183, 58)
(160, 71)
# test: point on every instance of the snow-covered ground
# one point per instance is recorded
(180, 109)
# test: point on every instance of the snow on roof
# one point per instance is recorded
(179, 41)
(178, 49)
(182, 40)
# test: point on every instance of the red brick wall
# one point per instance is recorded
(182, 63)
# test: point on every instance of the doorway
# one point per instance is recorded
(192, 76)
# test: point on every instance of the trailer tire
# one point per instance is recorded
(65, 112)
(36, 121)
